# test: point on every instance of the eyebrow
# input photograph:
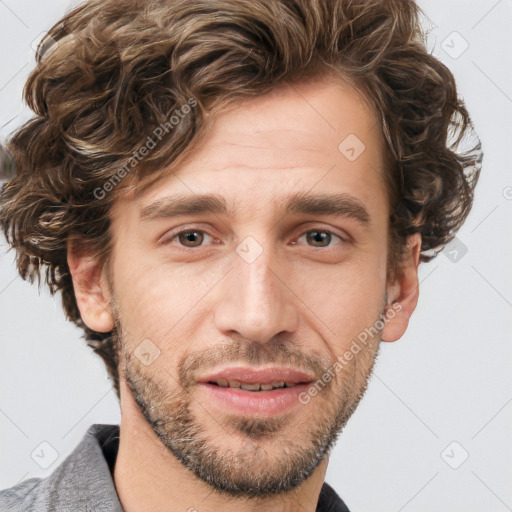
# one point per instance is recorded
(339, 205)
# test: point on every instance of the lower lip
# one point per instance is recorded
(260, 403)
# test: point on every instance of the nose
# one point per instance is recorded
(256, 300)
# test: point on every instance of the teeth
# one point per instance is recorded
(250, 387)
(223, 383)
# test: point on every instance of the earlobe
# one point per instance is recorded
(403, 293)
(91, 289)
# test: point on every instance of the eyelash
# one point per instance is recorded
(169, 240)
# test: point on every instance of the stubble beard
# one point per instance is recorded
(269, 462)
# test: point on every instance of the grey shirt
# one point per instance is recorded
(83, 481)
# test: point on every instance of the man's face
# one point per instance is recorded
(262, 296)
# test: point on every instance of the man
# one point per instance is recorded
(233, 197)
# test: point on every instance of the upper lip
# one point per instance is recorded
(252, 375)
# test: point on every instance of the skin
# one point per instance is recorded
(300, 296)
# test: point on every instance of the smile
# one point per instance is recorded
(223, 383)
(254, 391)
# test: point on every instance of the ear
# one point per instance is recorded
(403, 292)
(91, 288)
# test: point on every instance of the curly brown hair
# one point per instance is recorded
(112, 68)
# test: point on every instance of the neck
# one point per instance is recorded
(147, 476)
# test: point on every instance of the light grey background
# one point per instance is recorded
(447, 380)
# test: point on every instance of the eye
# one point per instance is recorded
(320, 238)
(189, 238)
(195, 238)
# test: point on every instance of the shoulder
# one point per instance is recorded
(21, 496)
(329, 501)
(80, 480)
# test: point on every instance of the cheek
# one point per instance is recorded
(157, 300)
(138, 290)
(346, 299)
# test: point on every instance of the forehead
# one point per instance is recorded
(293, 124)
(319, 133)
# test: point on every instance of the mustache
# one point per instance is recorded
(251, 354)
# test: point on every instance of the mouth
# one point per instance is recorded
(253, 391)
(236, 384)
